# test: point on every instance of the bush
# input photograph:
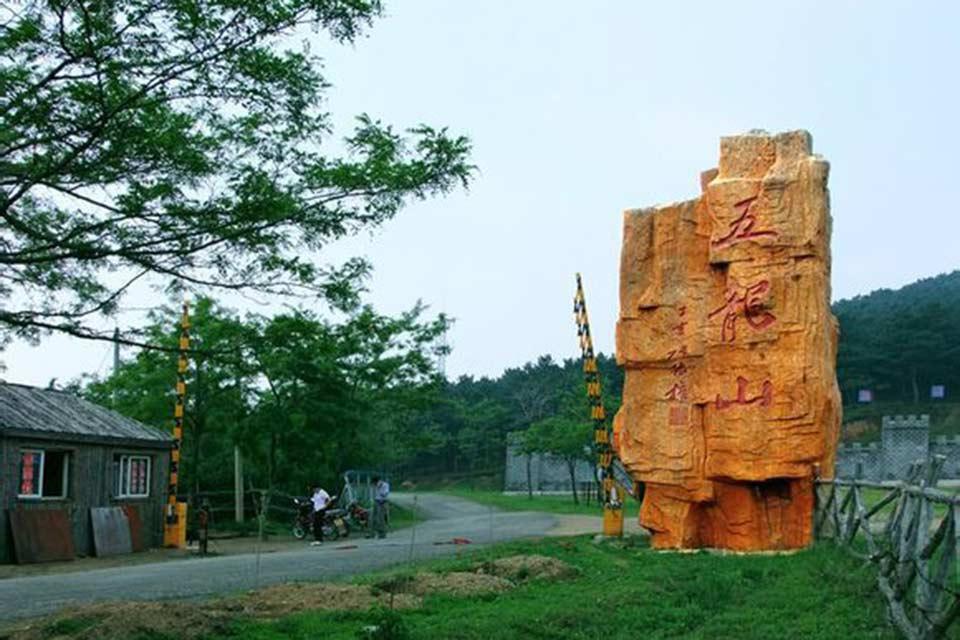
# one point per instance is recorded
(387, 625)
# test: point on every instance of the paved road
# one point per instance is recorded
(445, 518)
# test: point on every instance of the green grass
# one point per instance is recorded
(628, 592)
(70, 626)
(551, 504)
(400, 517)
(871, 496)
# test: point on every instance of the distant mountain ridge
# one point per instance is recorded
(932, 289)
(900, 342)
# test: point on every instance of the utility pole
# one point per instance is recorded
(237, 484)
(116, 350)
(444, 347)
(116, 365)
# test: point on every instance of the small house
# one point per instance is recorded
(64, 455)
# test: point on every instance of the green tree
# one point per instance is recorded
(305, 398)
(534, 391)
(327, 388)
(565, 436)
(899, 342)
(179, 141)
(220, 388)
(465, 426)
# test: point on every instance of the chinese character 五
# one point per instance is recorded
(742, 227)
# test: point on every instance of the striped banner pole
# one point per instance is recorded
(612, 506)
(175, 525)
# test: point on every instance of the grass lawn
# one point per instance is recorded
(400, 517)
(551, 504)
(628, 591)
(871, 496)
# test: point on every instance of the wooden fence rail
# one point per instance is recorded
(909, 531)
(280, 505)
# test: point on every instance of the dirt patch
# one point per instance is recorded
(189, 620)
(456, 583)
(272, 602)
(124, 620)
(529, 567)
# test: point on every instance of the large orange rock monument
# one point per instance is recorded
(731, 405)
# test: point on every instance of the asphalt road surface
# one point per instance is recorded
(444, 519)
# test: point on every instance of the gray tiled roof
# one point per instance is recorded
(47, 411)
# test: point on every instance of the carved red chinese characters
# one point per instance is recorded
(741, 227)
(749, 303)
(765, 398)
(730, 399)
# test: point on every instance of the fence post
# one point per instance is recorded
(956, 543)
(237, 485)
(413, 530)
(917, 561)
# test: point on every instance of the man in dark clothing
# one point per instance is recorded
(381, 492)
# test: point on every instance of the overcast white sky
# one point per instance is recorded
(578, 110)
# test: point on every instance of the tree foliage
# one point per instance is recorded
(467, 427)
(899, 343)
(566, 435)
(305, 398)
(179, 141)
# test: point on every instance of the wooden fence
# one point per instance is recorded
(222, 505)
(909, 531)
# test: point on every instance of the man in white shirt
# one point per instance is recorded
(381, 492)
(320, 499)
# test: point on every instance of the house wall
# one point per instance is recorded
(90, 484)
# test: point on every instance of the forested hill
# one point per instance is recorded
(941, 288)
(900, 342)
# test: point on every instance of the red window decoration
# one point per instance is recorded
(30, 473)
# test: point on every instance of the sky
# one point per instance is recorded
(578, 111)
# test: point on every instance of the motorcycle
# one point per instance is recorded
(334, 524)
(357, 516)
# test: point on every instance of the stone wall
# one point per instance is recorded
(904, 440)
(864, 461)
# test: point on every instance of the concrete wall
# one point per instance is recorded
(546, 472)
(89, 484)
